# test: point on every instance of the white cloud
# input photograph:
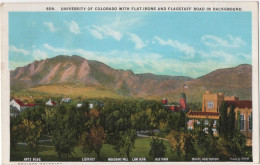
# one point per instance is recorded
(139, 63)
(228, 58)
(139, 44)
(74, 27)
(246, 56)
(39, 55)
(13, 64)
(149, 62)
(18, 50)
(96, 34)
(182, 47)
(56, 50)
(124, 23)
(101, 32)
(116, 28)
(214, 41)
(50, 26)
(225, 57)
(119, 25)
(69, 51)
(154, 63)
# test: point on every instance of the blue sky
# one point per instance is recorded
(165, 43)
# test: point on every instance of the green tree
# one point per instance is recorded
(212, 149)
(65, 132)
(222, 144)
(126, 142)
(158, 114)
(231, 141)
(236, 145)
(64, 140)
(77, 118)
(32, 132)
(182, 121)
(238, 121)
(201, 135)
(231, 147)
(118, 116)
(33, 114)
(182, 143)
(231, 122)
(140, 120)
(195, 106)
(174, 139)
(188, 145)
(158, 149)
(223, 120)
(16, 132)
(177, 121)
(211, 122)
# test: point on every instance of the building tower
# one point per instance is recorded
(182, 101)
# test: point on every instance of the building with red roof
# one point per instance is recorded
(210, 111)
(240, 103)
(51, 103)
(19, 105)
(176, 107)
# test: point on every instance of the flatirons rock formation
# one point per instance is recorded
(76, 70)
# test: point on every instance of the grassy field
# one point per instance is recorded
(76, 91)
(142, 147)
(47, 152)
(71, 91)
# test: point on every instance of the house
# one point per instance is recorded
(90, 105)
(66, 100)
(176, 107)
(17, 104)
(210, 111)
(51, 103)
(79, 105)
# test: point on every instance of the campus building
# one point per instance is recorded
(210, 111)
(17, 106)
(178, 106)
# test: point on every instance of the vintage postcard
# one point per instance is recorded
(130, 82)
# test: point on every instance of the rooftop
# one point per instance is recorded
(240, 103)
(18, 101)
(192, 113)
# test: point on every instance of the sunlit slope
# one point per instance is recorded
(76, 76)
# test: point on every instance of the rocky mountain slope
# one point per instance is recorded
(75, 70)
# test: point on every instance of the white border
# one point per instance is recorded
(5, 84)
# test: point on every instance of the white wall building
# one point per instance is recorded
(51, 103)
(66, 100)
(18, 105)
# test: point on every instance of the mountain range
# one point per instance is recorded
(77, 71)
